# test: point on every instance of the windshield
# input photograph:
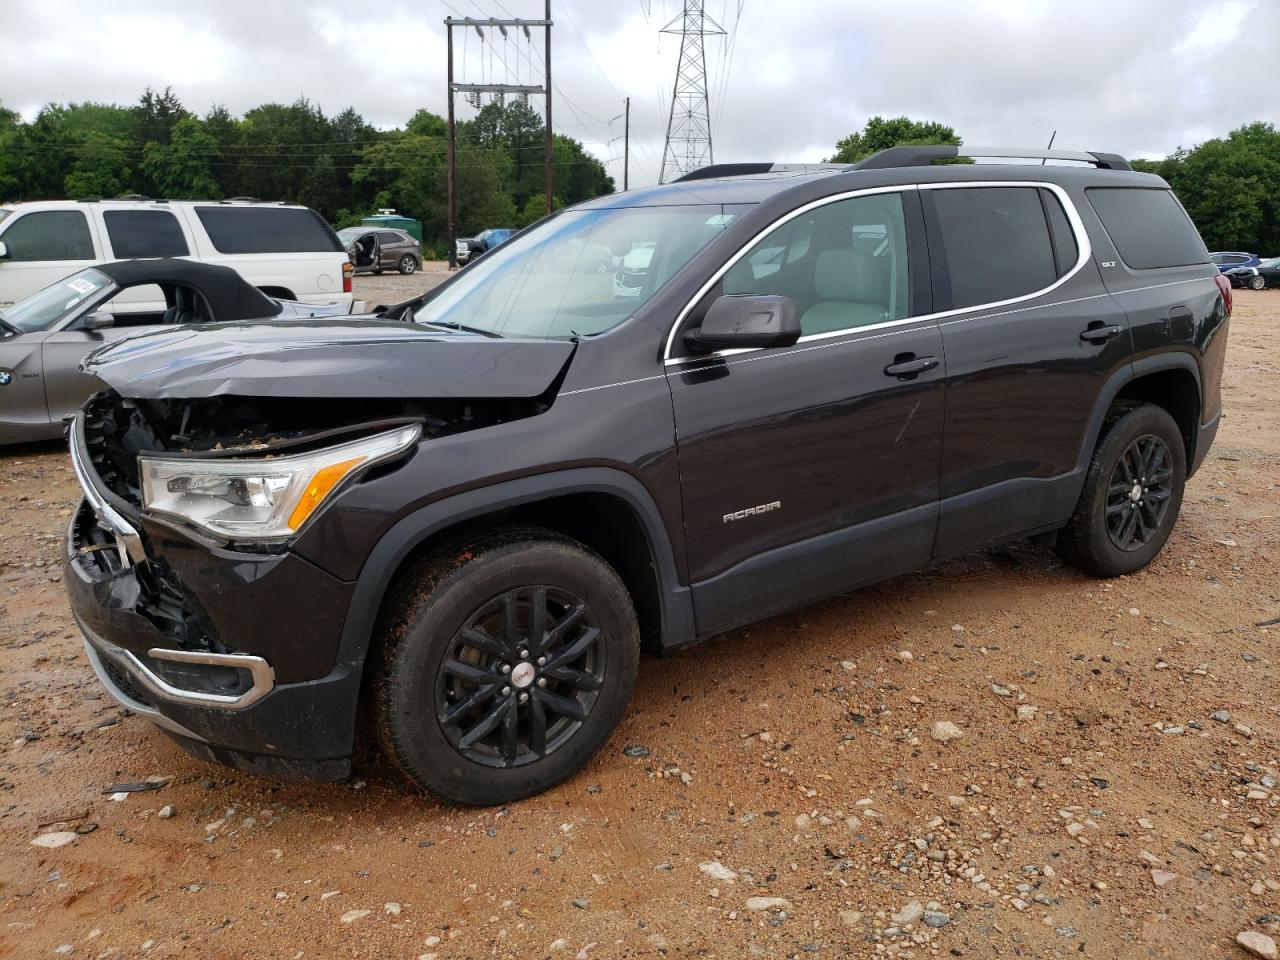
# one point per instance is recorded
(1273, 262)
(562, 279)
(349, 235)
(42, 310)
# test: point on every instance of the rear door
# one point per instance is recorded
(43, 247)
(134, 234)
(1030, 339)
(809, 469)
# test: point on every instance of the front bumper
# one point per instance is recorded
(232, 653)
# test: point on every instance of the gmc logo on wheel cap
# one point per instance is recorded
(752, 511)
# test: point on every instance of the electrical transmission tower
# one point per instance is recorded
(688, 145)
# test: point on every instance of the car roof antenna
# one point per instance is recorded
(1049, 147)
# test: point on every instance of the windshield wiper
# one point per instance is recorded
(454, 325)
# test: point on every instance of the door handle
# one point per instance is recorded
(907, 366)
(1100, 333)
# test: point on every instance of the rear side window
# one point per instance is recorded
(267, 230)
(996, 243)
(1065, 251)
(144, 233)
(1148, 227)
(386, 236)
(49, 235)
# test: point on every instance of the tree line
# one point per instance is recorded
(339, 165)
(1230, 186)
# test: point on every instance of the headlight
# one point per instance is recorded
(266, 498)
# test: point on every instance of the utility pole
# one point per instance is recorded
(451, 229)
(688, 145)
(499, 90)
(626, 147)
(549, 161)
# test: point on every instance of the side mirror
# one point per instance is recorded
(98, 320)
(734, 322)
(4, 250)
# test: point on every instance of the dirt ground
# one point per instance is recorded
(1114, 793)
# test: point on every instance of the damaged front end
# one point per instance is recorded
(179, 563)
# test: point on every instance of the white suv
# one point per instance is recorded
(288, 252)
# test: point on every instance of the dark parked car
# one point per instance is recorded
(1231, 259)
(463, 522)
(44, 337)
(377, 250)
(1263, 274)
(468, 248)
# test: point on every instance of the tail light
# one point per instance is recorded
(347, 270)
(1224, 288)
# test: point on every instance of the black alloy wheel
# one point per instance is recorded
(521, 677)
(1139, 493)
(504, 660)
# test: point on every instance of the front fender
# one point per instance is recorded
(415, 529)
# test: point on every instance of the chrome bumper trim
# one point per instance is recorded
(261, 672)
(128, 543)
(126, 701)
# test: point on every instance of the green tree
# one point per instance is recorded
(100, 167)
(1230, 187)
(182, 169)
(881, 134)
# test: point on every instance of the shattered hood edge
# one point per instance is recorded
(326, 358)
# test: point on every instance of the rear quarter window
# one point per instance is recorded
(267, 230)
(1148, 226)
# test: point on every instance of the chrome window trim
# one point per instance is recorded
(1083, 246)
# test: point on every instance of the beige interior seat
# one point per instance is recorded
(853, 291)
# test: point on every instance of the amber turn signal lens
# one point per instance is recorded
(324, 481)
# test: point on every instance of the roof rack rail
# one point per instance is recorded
(133, 196)
(920, 156)
(746, 169)
(243, 200)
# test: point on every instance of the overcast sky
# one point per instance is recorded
(1137, 77)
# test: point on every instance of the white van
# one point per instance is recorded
(288, 252)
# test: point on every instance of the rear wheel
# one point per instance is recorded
(408, 264)
(1132, 493)
(506, 663)
(1257, 282)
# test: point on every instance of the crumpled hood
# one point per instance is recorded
(326, 357)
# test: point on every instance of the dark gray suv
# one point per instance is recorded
(464, 520)
(376, 250)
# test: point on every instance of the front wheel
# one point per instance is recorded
(505, 663)
(407, 264)
(1132, 493)
(1257, 282)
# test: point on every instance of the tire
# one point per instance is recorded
(407, 264)
(1257, 283)
(1111, 533)
(436, 690)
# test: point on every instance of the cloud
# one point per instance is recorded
(1139, 78)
